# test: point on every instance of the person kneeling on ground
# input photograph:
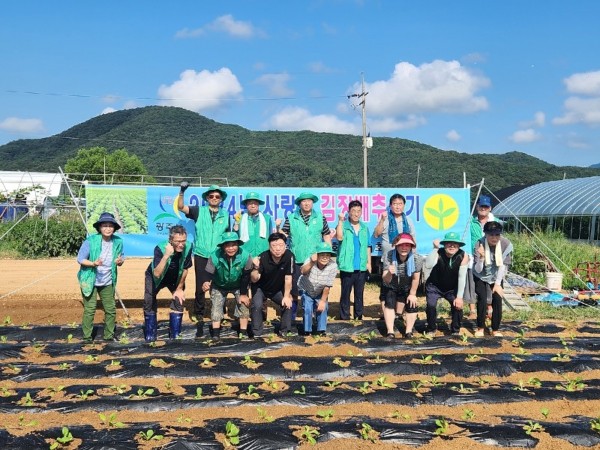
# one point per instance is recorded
(168, 269)
(491, 260)
(447, 280)
(99, 256)
(401, 275)
(272, 279)
(228, 270)
(317, 276)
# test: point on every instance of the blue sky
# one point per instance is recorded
(472, 76)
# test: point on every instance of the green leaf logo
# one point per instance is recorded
(441, 212)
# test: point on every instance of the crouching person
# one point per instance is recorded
(401, 275)
(447, 280)
(169, 268)
(317, 276)
(228, 270)
(99, 256)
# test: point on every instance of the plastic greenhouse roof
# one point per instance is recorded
(578, 196)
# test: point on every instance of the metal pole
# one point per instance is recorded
(364, 130)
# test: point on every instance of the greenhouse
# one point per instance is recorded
(570, 206)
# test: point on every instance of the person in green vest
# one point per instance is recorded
(99, 256)
(353, 259)
(254, 227)
(168, 269)
(304, 228)
(228, 272)
(211, 222)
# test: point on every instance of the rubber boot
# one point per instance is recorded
(216, 334)
(175, 324)
(150, 327)
(199, 329)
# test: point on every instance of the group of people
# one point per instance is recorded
(259, 259)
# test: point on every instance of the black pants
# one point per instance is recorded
(352, 280)
(256, 311)
(151, 291)
(483, 289)
(432, 295)
(201, 277)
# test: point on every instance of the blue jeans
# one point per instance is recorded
(310, 304)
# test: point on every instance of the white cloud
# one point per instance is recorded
(18, 125)
(276, 83)
(320, 67)
(539, 120)
(525, 136)
(223, 24)
(297, 119)
(586, 83)
(387, 125)
(439, 86)
(580, 110)
(108, 110)
(199, 91)
(453, 136)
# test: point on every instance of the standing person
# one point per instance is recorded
(211, 222)
(447, 280)
(305, 228)
(228, 271)
(168, 269)
(98, 257)
(401, 275)
(354, 259)
(483, 215)
(491, 260)
(317, 277)
(392, 223)
(271, 278)
(254, 227)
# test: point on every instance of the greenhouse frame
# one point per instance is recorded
(570, 206)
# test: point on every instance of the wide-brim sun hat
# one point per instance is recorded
(452, 236)
(253, 196)
(214, 188)
(404, 238)
(306, 196)
(106, 217)
(324, 247)
(230, 236)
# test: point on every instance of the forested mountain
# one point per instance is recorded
(178, 142)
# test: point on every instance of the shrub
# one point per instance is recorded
(37, 238)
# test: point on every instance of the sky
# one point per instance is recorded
(472, 76)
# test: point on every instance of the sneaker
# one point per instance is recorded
(497, 334)
(479, 332)
(321, 333)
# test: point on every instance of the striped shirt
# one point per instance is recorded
(317, 279)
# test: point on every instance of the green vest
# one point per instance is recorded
(208, 233)
(87, 275)
(345, 258)
(184, 255)
(305, 237)
(255, 244)
(228, 275)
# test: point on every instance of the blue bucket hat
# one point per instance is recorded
(106, 217)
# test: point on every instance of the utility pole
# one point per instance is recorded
(366, 140)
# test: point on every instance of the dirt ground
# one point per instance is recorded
(45, 292)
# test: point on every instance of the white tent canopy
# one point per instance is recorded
(50, 183)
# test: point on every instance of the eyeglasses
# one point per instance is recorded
(217, 196)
